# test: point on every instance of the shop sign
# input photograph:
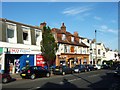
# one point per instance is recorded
(19, 51)
(39, 60)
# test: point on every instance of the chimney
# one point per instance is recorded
(42, 25)
(63, 28)
(76, 34)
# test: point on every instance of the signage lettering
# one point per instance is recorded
(19, 51)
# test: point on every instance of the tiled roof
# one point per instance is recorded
(68, 38)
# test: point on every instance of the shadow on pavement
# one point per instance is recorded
(82, 78)
(108, 82)
(64, 84)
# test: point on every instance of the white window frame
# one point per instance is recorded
(63, 36)
(11, 26)
(27, 29)
(72, 39)
(38, 39)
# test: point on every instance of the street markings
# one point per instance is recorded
(94, 75)
(72, 80)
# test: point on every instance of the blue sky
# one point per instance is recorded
(83, 17)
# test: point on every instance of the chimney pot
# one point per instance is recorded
(75, 33)
(42, 25)
(63, 28)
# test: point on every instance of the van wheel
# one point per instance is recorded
(48, 75)
(32, 76)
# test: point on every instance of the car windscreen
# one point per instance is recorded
(76, 66)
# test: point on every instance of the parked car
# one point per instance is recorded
(34, 72)
(52, 67)
(80, 68)
(96, 66)
(105, 66)
(117, 71)
(62, 70)
(89, 67)
(5, 77)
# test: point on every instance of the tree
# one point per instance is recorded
(49, 46)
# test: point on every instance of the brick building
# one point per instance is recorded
(71, 49)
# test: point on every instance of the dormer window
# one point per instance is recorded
(26, 35)
(72, 39)
(11, 33)
(63, 37)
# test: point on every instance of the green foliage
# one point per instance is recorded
(108, 62)
(49, 46)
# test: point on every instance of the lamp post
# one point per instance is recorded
(96, 45)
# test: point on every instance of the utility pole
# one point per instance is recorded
(96, 46)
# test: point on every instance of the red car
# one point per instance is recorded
(5, 77)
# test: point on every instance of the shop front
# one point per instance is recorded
(16, 59)
(73, 59)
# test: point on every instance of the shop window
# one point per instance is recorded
(80, 61)
(63, 63)
(90, 62)
(85, 61)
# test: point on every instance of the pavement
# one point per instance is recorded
(16, 76)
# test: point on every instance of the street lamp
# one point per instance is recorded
(96, 45)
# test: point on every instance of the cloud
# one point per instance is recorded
(104, 28)
(74, 10)
(86, 14)
(97, 18)
(113, 21)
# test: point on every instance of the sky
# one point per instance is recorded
(83, 17)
